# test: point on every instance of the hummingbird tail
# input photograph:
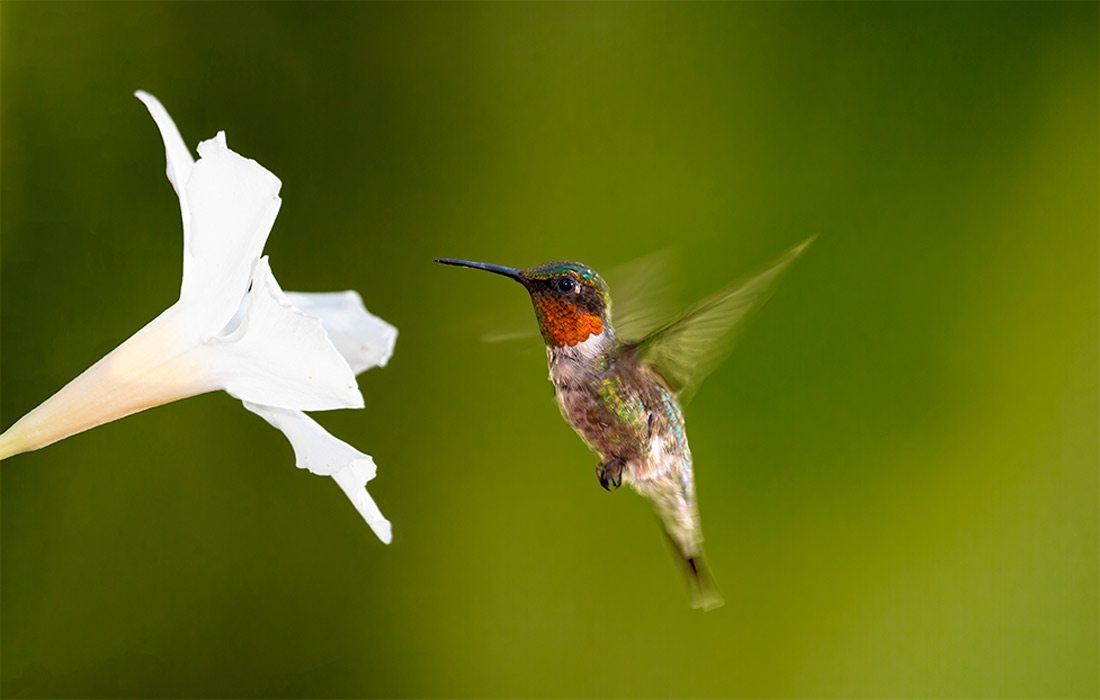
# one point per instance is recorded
(680, 523)
(704, 594)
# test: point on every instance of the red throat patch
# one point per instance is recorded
(565, 324)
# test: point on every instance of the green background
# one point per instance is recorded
(897, 468)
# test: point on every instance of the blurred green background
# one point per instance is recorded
(897, 468)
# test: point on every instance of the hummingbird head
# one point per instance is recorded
(572, 302)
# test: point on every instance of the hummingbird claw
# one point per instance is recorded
(610, 474)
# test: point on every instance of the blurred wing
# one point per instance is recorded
(685, 350)
(641, 291)
(519, 334)
(505, 336)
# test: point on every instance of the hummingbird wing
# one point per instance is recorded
(686, 349)
(641, 293)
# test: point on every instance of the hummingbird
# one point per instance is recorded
(624, 396)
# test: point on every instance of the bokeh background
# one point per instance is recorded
(897, 467)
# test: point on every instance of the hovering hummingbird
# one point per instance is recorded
(623, 397)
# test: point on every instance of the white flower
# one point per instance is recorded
(233, 328)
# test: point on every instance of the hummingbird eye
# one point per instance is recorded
(566, 284)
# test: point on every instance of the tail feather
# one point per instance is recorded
(674, 503)
(704, 593)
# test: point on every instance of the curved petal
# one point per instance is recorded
(278, 356)
(233, 202)
(321, 453)
(363, 339)
(179, 164)
(179, 158)
(353, 481)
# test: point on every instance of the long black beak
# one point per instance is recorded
(496, 269)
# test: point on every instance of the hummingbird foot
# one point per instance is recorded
(610, 474)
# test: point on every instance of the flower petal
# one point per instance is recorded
(180, 164)
(353, 481)
(278, 356)
(363, 339)
(321, 453)
(233, 203)
(179, 158)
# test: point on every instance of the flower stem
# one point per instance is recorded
(151, 368)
